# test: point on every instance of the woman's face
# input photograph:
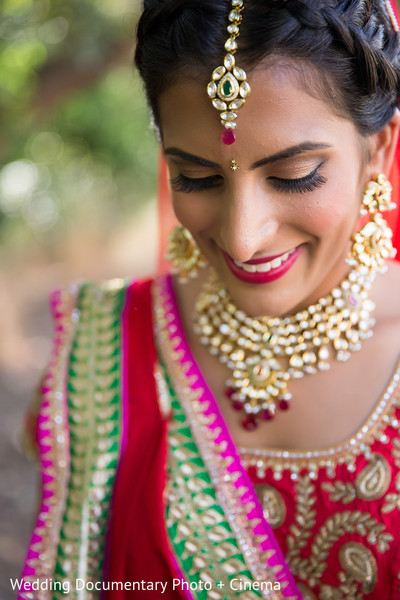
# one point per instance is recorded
(278, 230)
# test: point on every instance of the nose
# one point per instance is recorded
(248, 225)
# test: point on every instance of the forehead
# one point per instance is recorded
(279, 112)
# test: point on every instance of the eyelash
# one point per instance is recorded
(188, 184)
(308, 183)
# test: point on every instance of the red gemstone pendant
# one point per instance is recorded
(250, 423)
(283, 404)
(229, 136)
(237, 405)
(267, 415)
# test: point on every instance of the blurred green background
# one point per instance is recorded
(78, 163)
(75, 145)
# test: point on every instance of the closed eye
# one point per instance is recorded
(301, 185)
(184, 184)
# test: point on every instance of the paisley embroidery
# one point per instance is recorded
(392, 501)
(312, 568)
(273, 504)
(373, 481)
(360, 564)
(306, 592)
(360, 570)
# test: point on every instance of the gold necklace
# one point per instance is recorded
(264, 354)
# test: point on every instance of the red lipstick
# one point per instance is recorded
(259, 276)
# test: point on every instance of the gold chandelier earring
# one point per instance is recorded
(183, 253)
(372, 244)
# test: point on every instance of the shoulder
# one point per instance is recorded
(87, 295)
(106, 289)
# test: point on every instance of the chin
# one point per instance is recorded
(301, 286)
(276, 298)
(256, 302)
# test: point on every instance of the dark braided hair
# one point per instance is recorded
(350, 44)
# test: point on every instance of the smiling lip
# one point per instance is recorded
(263, 270)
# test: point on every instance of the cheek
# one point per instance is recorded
(333, 211)
(193, 213)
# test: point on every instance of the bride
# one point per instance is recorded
(232, 429)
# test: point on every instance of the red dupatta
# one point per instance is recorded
(138, 548)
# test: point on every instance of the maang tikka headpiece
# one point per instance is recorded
(228, 88)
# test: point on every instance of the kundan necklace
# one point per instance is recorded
(264, 354)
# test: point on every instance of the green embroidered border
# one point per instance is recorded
(94, 404)
(197, 526)
(234, 492)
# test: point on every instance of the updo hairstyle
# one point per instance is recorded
(349, 44)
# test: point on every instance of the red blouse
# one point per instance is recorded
(336, 512)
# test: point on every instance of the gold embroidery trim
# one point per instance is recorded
(210, 449)
(94, 421)
(164, 401)
(54, 429)
(194, 519)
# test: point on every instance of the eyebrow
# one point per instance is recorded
(191, 158)
(282, 155)
(290, 152)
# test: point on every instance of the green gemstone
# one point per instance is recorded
(227, 88)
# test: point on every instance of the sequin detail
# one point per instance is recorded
(54, 446)
(94, 420)
(234, 492)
